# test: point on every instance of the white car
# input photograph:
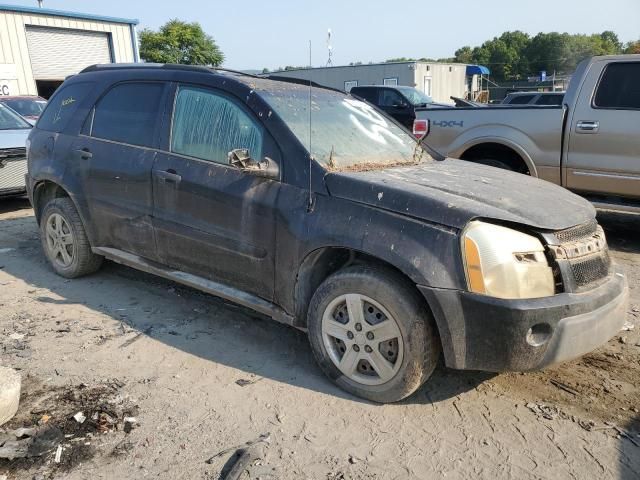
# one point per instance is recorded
(14, 131)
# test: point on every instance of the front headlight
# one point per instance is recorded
(505, 263)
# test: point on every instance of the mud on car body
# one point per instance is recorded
(384, 252)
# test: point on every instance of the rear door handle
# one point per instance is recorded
(168, 176)
(84, 153)
(587, 126)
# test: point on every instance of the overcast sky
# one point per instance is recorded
(275, 33)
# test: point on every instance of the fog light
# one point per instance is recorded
(539, 334)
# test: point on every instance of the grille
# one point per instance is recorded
(591, 269)
(13, 167)
(577, 233)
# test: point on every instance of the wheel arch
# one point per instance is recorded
(509, 149)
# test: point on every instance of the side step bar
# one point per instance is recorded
(615, 207)
(199, 283)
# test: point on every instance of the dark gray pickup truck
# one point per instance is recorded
(309, 206)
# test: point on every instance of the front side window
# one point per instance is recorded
(346, 133)
(128, 113)
(390, 98)
(208, 125)
(619, 87)
(63, 105)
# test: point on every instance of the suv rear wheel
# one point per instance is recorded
(371, 334)
(64, 240)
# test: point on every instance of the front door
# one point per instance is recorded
(397, 106)
(117, 148)
(604, 130)
(210, 218)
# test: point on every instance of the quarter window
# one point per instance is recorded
(63, 105)
(208, 125)
(619, 87)
(128, 113)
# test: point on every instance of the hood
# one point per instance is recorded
(14, 138)
(453, 192)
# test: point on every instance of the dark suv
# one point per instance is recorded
(398, 102)
(334, 221)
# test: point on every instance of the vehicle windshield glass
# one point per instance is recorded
(346, 134)
(26, 106)
(416, 97)
(10, 120)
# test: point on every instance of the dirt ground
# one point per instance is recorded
(203, 377)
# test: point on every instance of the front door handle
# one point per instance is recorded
(168, 176)
(587, 126)
(84, 153)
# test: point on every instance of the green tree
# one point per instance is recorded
(632, 47)
(464, 55)
(180, 42)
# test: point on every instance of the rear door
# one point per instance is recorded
(211, 219)
(604, 137)
(117, 148)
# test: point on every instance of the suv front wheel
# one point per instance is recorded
(372, 334)
(64, 240)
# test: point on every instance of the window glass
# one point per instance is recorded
(208, 125)
(368, 94)
(349, 85)
(128, 113)
(619, 87)
(390, 98)
(9, 120)
(63, 105)
(345, 133)
(391, 82)
(27, 107)
(520, 99)
(549, 100)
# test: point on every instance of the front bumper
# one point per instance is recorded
(492, 334)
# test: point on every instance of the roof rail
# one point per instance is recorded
(167, 66)
(300, 81)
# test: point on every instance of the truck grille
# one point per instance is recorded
(583, 249)
(13, 167)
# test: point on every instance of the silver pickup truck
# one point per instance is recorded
(590, 144)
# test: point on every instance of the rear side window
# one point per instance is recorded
(520, 99)
(619, 87)
(63, 105)
(128, 113)
(208, 125)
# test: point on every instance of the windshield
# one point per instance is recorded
(416, 97)
(346, 134)
(9, 120)
(26, 107)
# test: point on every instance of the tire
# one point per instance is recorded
(61, 220)
(492, 162)
(384, 296)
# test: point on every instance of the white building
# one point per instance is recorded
(438, 80)
(39, 47)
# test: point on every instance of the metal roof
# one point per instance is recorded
(63, 13)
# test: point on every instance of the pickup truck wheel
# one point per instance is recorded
(492, 162)
(371, 334)
(64, 240)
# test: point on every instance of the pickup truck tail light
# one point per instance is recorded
(420, 128)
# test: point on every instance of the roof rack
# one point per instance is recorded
(167, 66)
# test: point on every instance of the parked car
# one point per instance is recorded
(398, 102)
(534, 98)
(30, 107)
(14, 131)
(590, 146)
(384, 252)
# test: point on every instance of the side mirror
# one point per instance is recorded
(241, 159)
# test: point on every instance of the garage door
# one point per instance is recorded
(57, 52)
